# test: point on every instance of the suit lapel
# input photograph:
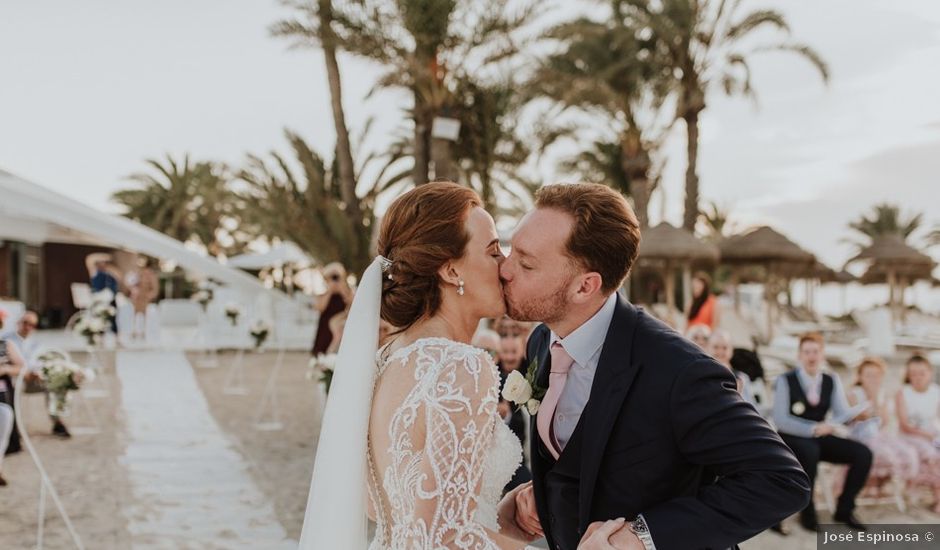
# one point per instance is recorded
(612, 380)
(540, 464)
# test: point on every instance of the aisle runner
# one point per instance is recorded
(191, 488)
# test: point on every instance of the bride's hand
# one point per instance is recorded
(597, 536)
(507, 514)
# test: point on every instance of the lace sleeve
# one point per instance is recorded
(460, 417)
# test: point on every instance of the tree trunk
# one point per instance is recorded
(486, 191)
(442, 155)
(640, 192)
(421, 141)
(347, 175)
(691, 175)
(635, 161)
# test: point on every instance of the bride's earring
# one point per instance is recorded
(460, 289)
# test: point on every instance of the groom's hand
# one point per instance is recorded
(506, 517)
(626, 539)
(527, 516)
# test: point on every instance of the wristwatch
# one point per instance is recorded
(642, 532)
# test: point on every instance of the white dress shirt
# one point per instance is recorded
(27, 348)
(584, 345)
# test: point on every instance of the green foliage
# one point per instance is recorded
(185, 200)
(885, 219)
(299, 199)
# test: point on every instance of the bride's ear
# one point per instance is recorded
(448, 274)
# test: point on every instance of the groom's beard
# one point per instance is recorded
(545, 309)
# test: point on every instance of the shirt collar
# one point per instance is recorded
(584, 342)
(808, 380)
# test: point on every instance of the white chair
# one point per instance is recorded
(81, 295)
(14, 311)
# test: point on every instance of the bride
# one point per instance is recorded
(410, 435)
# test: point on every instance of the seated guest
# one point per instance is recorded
(507, 327)
(6, 429)
(11, 363)
(512, 358)
(747, 361)
(22, 337)
(918, 406)
(699, 335)
(894, 459)
(803, 399)
(719, 347)
(487, 340)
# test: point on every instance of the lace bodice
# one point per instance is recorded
(439, 454)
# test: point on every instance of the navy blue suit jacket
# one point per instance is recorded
(666, 435)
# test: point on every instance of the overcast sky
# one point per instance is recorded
(89, 89)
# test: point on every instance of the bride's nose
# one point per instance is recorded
(504, 273)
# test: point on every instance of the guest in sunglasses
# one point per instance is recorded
(22, 337)
(334, 301)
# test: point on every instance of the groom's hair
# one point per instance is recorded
(606, 235)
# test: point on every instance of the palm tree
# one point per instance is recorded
(489, 152)
(715, 221)
(708, 44)
(933, 238)
(314, 28)
(886, 219)
(605, 69)
(305, 204)
(185, 200)
(424, 43)
(602, 162)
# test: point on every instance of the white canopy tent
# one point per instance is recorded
(286, 253)
(34, 214)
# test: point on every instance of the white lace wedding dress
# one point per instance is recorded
(439, 460)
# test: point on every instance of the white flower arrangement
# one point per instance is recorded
(202, 297)
(104, 296)
(322, 367)
(61, 376)
(233, 312)
(104, 310)
(91, 327)
(259, 331)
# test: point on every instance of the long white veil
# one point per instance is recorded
(336, 507)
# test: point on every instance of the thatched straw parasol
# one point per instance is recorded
(764, 246)
(781, 259)
(893, 262)
(666, 242)
(666, 247)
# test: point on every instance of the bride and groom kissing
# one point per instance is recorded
(640, 441)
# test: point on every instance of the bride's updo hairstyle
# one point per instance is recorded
(422, 230)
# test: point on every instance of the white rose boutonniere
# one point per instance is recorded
(517, 388)
(798, 408)
(522, 391)
(533, 406)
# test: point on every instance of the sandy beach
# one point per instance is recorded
(85, 469)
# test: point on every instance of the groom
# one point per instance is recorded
(636, 422)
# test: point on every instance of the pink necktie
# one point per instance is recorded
(813, 394)
(561, 364)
